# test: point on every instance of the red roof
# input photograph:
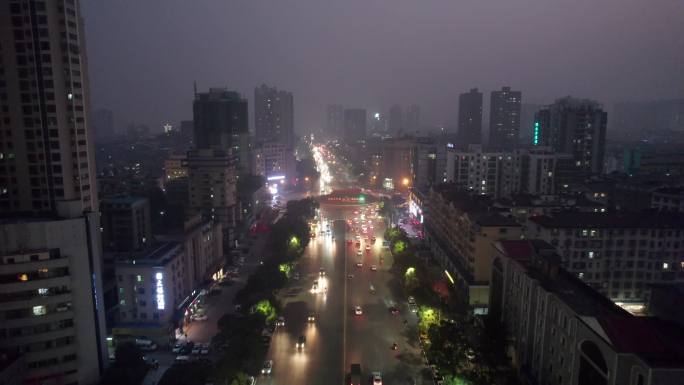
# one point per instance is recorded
(657, 342)
(518, 249)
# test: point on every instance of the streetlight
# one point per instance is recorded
(405, 181)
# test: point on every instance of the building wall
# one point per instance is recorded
(45, 78)
(52, 293)
(126, 223)
(619, 263)
(504, 118)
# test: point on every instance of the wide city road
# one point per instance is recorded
(329, 287)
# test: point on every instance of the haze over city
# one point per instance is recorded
(145, 55)
(351, 192)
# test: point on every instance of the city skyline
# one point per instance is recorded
(302, 61)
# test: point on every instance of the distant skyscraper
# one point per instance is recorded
(334, 122)
(46, 154)
(470, 118)
(574, 126)
(412, 122)
(103, 124)
(396, 120)
(220, 122)
(504, 118)
(354, 125)
(274, 115)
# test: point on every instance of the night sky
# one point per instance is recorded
(145, 54)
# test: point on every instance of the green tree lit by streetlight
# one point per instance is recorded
(285, 268)
(266, 308)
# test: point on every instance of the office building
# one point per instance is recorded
(220, 122)
(561, 331)
(396, 120)
(504, 118)
(470, 118)
(412, 121)
(46, 150)
(126, 223)
(274, 115)
(52, 306)
(574, 126)
(459, 231)
(174, 166)
(211, 180)
(617, 253)
(354, 125)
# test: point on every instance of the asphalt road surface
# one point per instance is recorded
(338, 337)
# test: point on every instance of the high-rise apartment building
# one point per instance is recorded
(354, 125)
(46, 144)
(470, 118)
(274, 115)
(212, 185)
(51, 307)
(504, 118)
(574, 126)
(220, 122)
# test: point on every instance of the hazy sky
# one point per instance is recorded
(145, 54)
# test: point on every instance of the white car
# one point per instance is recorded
(177, 347)
(204, 349)
(267, 367)
(377, 378)
(358, 310)
(359, 264)
(197, 349)
(374, 268)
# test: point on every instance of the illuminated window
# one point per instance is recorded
(666, 265)
(139, 278)
(23, 277)
(39, 310)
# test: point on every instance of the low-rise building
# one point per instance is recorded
(617, 253)
(668, 199)
(460, 230)
(563, 332)
(151, 284)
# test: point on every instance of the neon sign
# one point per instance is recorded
(161, 304)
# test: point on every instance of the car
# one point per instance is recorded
(358, 310)
(359, 253)
(301, 341)
(367, 247)
(413, 308)
(199, 317)
(359, 264)
(295, 276)
(177, 347)
(349, 241)
(374, 268)
(393, 310)
(280, 321)
(267, 367)
(377, 378)
(411, 300)
(311, 317)
(350, 276)
(182, 359)
(186, 349)
(197, 349)
(205, 349)
(321, 272)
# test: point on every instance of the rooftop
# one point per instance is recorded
(634, 220)
(660, 343)
(157, 255)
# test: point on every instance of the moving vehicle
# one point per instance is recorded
(311, 318)
(355, 374)
(358, 310)
(267, 367)
(301, 341)
(177, 347)
(393, 310)
(374, 268)
(321, 272)
(280, 321)
(359, 264)
(377, 378)
(199, 317)
(411, 300)
(372, 289)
